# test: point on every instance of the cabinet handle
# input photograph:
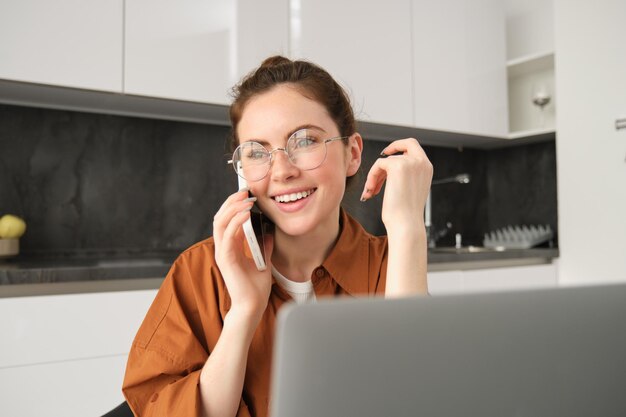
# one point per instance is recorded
(620, 123)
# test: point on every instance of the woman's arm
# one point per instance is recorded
(222, 377)
(407, 263)
(408, 173)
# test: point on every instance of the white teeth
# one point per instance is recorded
(285, 198)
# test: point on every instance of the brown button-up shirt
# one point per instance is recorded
(185, 321)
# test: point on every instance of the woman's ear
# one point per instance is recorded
(355, 149)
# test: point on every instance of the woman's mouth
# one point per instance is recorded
(290, 198)
(292, 202)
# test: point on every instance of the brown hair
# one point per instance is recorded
(311, 80)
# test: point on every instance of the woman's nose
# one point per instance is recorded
(282, 168)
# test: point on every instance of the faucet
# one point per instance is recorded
(431, 236)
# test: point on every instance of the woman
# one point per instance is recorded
(205, 345)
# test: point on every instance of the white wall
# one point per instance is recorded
(590, 40)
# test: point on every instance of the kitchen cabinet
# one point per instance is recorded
(493, 279)
(188, 50)
(69, 43)
(459, 66)
(445, 282)
(590, 149)
(431, 65)
(530, 68)
(74, 388)
(197, 50)
(531, 79)
(366, 46)
(68, 351)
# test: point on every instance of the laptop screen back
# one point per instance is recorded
(557, 352)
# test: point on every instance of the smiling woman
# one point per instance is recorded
(205, 345)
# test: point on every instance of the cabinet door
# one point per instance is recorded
(509, 279)
(57, 328)
(196, 50)
(445, 282)
(366, 46)
(459, 59)
(86, 387)
(70, 43)
(591, 151)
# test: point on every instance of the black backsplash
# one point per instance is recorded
(93, 183)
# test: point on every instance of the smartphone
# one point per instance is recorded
(254, 229)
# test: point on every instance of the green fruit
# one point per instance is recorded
(11, 227)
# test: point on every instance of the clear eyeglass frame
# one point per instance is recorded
(267, 165)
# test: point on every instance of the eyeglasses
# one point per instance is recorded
(305, 149)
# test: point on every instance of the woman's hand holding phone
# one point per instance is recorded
(249, 288)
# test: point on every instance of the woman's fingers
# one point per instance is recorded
(394, 156)
(234, 204)
(233, 230)
(406, 146)
(375, 179)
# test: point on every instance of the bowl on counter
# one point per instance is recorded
(9, 248)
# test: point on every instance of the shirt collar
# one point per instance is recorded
(348, 261)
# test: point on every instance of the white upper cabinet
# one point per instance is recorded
(529, 28)
(437, 65)
(71, 43)
(459, 61)
(530, 53)
(366, 46)
(196, 50)
(262, 31)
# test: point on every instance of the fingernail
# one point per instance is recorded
(250, 199)
(367, 190)
(244, 189)
(246, 209)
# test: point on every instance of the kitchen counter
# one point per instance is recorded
(28, 276)
(452, 260)
(71, 273)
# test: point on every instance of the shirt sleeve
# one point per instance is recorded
(171, 347)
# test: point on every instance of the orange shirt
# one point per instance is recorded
(185, 320)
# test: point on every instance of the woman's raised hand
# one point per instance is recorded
(408, 173)
(249, 289)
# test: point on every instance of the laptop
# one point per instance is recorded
(555, 352)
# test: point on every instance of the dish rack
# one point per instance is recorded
(518, 237)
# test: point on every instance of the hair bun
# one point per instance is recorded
(275, 61)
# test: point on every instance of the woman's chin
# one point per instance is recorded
(294, 228)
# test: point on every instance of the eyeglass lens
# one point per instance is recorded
(305, 149)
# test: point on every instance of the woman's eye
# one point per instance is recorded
(252, 154)
(305, 142)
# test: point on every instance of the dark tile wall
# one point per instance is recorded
(509, 186)
(522, 188)
(97, 182)
(90, 182)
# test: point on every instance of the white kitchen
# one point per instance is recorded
(113, 121)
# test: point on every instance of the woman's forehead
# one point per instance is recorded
(280, 112)
(298, 132)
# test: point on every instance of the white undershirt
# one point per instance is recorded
(301, 292)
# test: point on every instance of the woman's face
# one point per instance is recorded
(271, 118)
